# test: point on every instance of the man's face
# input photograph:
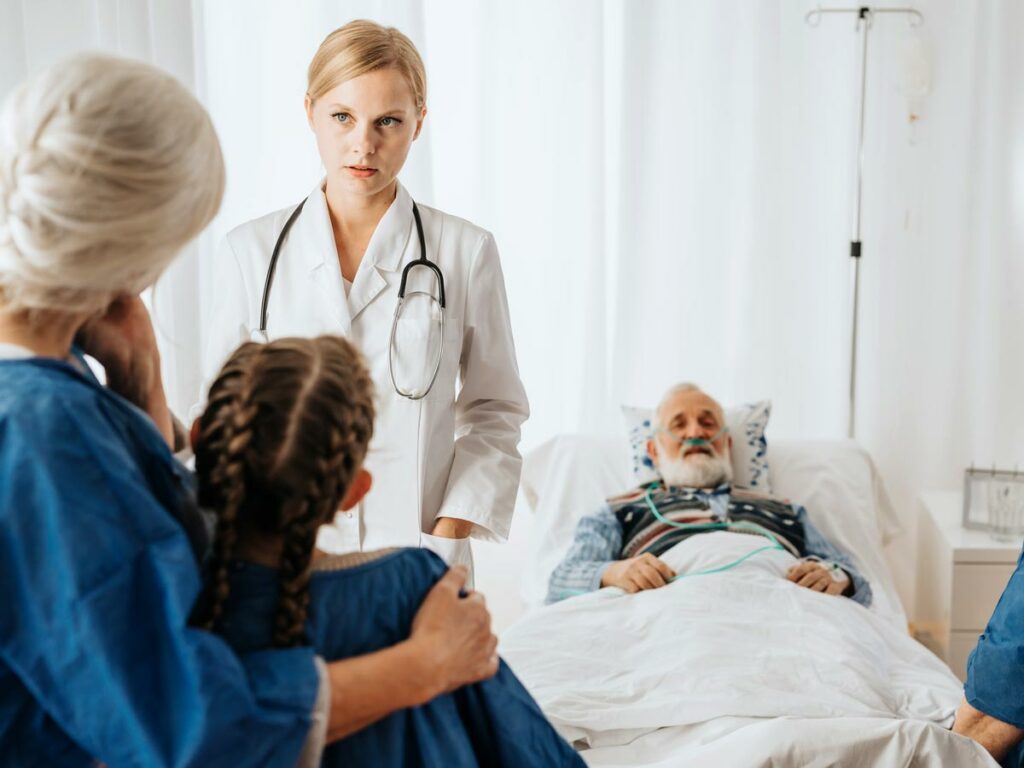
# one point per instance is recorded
(689, 416)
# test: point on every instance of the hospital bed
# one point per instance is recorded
(738, 668)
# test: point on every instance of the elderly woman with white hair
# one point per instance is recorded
(107, 168)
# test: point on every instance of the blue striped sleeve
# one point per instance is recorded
(820, 547)
(596, 545)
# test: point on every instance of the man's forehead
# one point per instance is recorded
(690, 404)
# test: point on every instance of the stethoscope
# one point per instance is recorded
(413, 393)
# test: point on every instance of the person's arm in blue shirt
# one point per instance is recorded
(823, 549)
(98, 583)
(596, 545)
(992, 712)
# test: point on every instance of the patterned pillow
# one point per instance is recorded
(746, 424)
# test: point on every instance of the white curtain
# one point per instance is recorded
(670, 185)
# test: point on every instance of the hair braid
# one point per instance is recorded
(283, 437)
(293, 573)
(226, 437)
(332, 473)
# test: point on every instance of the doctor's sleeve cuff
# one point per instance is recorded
(484, 523)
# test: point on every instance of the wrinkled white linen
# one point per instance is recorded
(609, 668)
(854, 742)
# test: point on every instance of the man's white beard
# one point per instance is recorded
(698, 470)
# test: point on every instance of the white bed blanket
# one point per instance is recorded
(609, 668)
(853, 742)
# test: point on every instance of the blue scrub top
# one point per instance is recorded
(995, 670)
(98, 577)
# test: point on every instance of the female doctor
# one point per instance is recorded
(444, 458)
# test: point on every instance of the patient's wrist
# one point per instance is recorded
(850, 586)
(605, 575)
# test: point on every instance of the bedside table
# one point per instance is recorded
(960, 577)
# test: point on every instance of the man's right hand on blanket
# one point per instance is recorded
(454, 633)
(637, 573)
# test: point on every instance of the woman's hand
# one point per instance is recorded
(123, 342)
(453, 634)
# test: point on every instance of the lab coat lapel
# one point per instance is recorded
(315, 241)
(384, 254)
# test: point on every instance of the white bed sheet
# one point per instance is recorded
(853, 742)
(691, 673)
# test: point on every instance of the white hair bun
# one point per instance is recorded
(107, 168)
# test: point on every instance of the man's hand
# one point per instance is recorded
(123, 342)
(638, 573)
(818, 577)
(454, 635)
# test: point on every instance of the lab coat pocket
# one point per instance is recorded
(452, 551)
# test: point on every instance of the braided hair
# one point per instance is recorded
(284, 433)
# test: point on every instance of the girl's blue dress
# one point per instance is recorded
(363, 608)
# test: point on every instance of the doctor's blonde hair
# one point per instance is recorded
(107, 168)
(284, 433)
(364, 46)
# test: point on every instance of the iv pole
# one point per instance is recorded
(865, 17)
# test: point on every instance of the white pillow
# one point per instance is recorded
(746, 424)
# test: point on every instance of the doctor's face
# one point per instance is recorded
(364, 128)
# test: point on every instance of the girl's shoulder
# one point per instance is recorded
(362, 603)
(409, 561)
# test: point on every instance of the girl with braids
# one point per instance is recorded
(279, 450)
(108, 167)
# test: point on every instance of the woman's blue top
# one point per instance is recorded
(99, 538)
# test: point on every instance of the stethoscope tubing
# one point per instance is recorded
(422, 261)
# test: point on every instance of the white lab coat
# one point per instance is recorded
(467, 452)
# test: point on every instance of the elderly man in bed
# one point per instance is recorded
(619, 545)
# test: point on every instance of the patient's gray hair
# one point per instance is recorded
(676, 389)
